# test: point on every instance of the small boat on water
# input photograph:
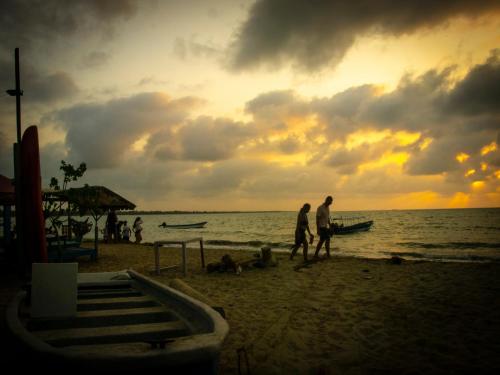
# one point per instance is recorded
(349, 225)
(183, 226)
(125, 322)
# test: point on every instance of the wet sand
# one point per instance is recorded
(342, 315)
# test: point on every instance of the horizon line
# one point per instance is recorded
(264, 211)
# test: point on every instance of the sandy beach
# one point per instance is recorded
(338, 316)
(343, 315)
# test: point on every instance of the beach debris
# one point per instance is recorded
(242, 352)
(266, 259)
(395, 260)
(226, 264)
(259, 260)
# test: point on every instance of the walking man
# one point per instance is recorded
(323, 226)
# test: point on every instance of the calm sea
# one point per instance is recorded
(440, 235)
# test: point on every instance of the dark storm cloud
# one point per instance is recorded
(224, 176)
(25, 21)
(413, 105)
(249, 178)
(272, 109)
(212, 139)
(440, 156)
(460, 116)
(101, 133)
(41, 90)
(268, 101)
(95, 59)
(348, 103)
(290, 145)
(38, 87)
(314, 34)
(347, 161)
(431, 103)
(50, 88)
(479, 92)
(202, 139)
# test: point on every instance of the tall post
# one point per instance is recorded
(17, 167)
(18, 95)
(20, 258)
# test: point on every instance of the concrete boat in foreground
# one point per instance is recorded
(125, 322)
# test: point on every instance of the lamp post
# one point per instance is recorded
(17, 92)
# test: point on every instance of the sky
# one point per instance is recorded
(261, 105)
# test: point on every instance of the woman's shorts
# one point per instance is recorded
(300, 237)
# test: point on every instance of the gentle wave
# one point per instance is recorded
(485, 227)
(463, 258)
(436, 235)
(451, 245)
(255, 244)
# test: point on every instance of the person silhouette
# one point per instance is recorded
(323, 226)
(137, 227)
(300, 232)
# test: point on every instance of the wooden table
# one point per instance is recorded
(183, 243)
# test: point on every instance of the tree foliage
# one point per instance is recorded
(54, 209)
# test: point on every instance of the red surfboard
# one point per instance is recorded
(35, 245)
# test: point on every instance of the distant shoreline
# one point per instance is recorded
(193, 212)
(181, 212)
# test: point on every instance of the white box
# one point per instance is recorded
(54, 290)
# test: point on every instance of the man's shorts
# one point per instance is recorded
(324, 234)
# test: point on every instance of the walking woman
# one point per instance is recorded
(300, 232)
(137, 227)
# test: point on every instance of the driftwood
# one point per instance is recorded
(395, 260)
(267, 259)
(226, 264)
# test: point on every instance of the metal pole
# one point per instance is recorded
(18, 96)
(17, 168)
(19, 211)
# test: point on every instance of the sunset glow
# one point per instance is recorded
(226, 105)
(489, 148)
(462, 157)
(470, 172)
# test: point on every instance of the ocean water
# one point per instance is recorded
(439, 235)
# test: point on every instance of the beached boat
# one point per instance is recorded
(183, 226)
(125, 322)
(349, 225)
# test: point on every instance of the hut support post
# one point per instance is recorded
(96, 239)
